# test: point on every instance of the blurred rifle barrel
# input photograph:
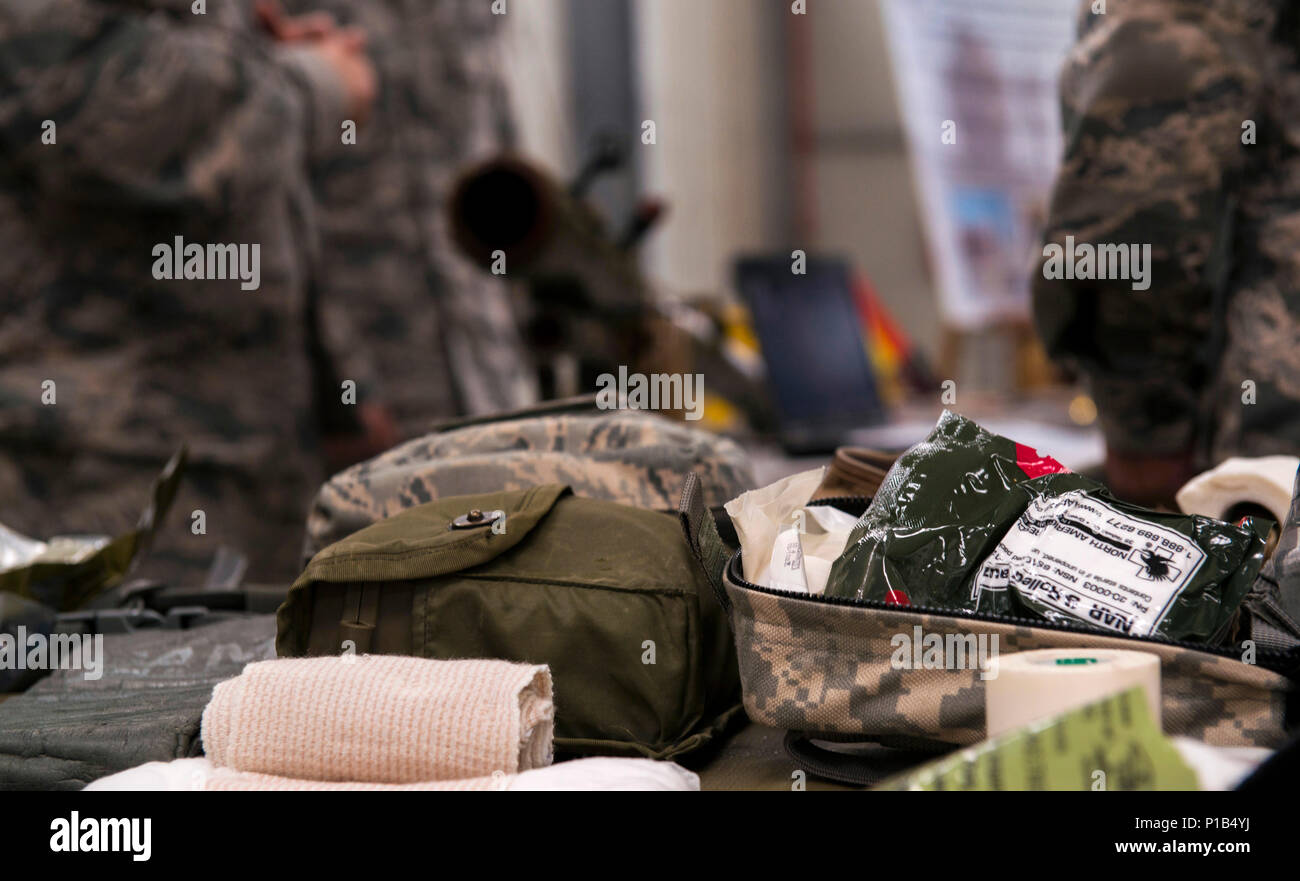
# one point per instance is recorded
(509, 207)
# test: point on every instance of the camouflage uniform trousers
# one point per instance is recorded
(166, 124)
(1180, 134)
(414, 324)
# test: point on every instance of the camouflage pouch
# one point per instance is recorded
(834, 668)
(605, 594)
(622, 456)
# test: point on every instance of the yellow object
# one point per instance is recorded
(720, 415)
(1082, 410)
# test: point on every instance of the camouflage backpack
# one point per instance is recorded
(629, 457)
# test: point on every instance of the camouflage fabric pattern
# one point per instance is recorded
(418, 328)
(825, 668)
(632, 458)
(1155, 95)
(1280, 576)
(167, 124)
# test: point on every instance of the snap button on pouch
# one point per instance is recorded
(476, 518)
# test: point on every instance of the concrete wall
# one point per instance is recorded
(535, 60)
(714, 76)
(866, 206)
(703, 68)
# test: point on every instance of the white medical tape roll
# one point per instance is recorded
(1266, 481)
(1031, 686)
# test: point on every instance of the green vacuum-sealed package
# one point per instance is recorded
(971, 521)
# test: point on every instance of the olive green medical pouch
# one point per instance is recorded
(607, 595)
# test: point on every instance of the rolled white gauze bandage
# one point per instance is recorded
(1032, 686)
(1266, 482)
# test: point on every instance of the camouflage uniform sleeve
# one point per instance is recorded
(326, 102)
(149, 111)
(1154, 98)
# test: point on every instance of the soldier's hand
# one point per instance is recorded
(345, 51)
(285, 28)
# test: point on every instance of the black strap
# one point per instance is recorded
(1270, 637)
(702, 537)
(581, 404)
(1270, 625)
(889, 756)
(840, 767)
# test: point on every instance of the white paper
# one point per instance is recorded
(784, 543)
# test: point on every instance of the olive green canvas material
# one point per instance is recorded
(830, 667)
(607, 595)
